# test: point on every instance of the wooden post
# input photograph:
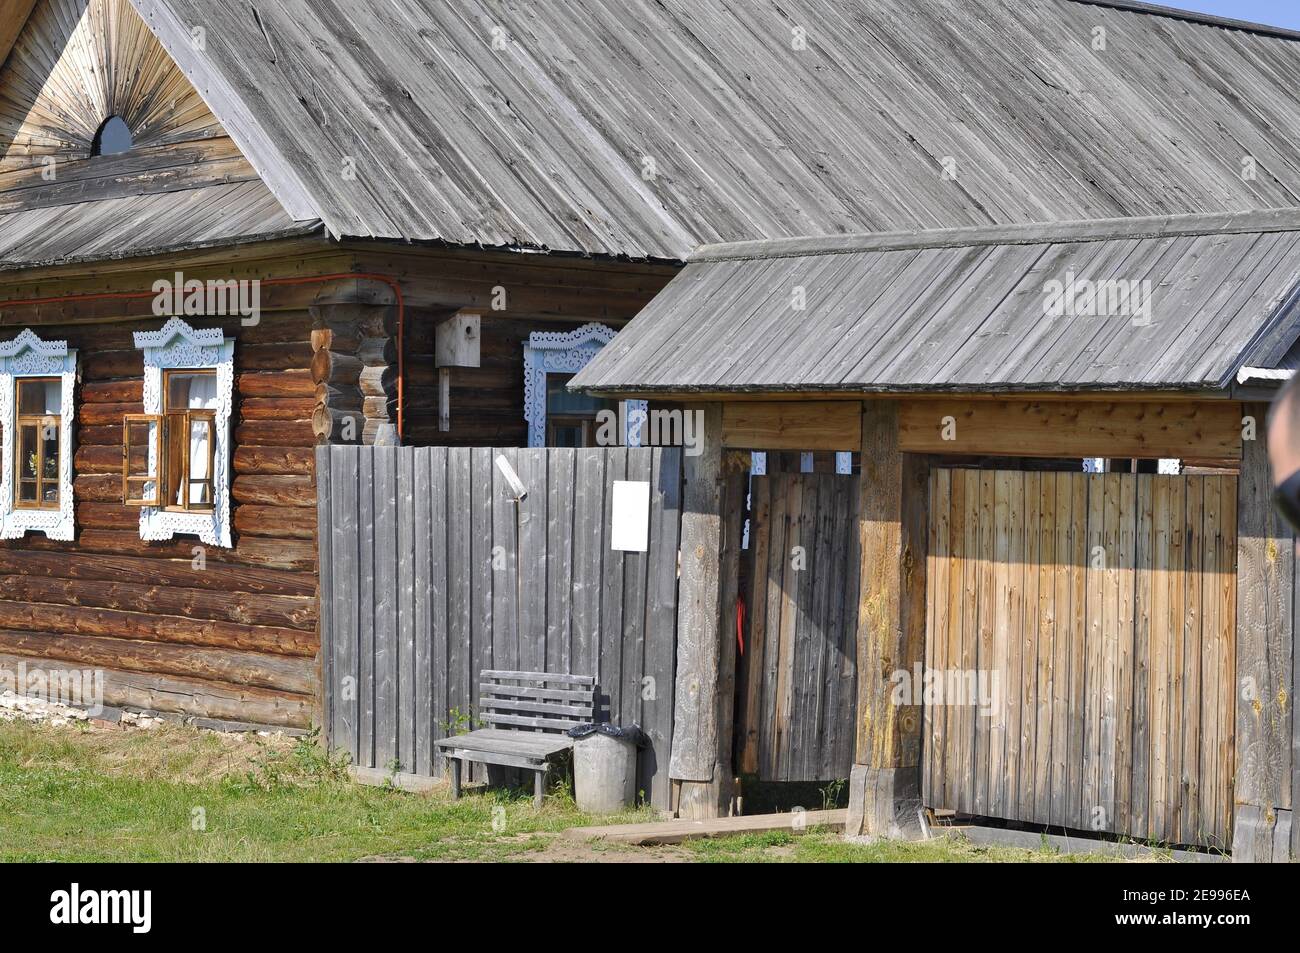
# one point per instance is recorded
(700, 766)
(884, 787)
(1266, 582)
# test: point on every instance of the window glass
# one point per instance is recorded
(39, 422)
(191, 391)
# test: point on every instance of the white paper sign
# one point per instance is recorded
(631, 530)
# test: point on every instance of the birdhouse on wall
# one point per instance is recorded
(456, 344)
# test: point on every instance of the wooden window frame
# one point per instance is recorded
(184, 418)
(168, 485)
(40, 422)
(127, 479)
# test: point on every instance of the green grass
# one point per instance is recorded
(178, 794)
(71, 794)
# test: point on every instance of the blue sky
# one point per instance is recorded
(1275, 12)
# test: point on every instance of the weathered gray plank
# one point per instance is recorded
(661, 625)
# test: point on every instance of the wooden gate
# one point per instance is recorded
(1080, 651)
(798, 673)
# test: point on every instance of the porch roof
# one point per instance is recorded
(970, 310)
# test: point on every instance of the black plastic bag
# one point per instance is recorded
(632, 733)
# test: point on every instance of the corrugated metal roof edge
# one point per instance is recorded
(1039, 233)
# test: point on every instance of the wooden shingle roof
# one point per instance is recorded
(646, 129)
(1156, 304)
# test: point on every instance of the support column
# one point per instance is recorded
(704, 701)
(355, 363)
(1263, 830)
(885, 784)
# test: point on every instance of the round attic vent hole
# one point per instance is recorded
(113, 138)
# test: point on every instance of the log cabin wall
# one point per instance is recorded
(237, 641)
(230, 639)
(516, 294)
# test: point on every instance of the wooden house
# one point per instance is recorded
(230, 234)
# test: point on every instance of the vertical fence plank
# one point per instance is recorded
(457, 549)
(443, 671)
(588, 556)
(1029, 645)
(774, 587)
(1047, 636)
(611, 584)
(1126, 607)
(1190, 662)
(386, 595)
(1096, 557)
(506, 530)
(760, 536)
(661, 624)
(403, 554)
(420, 561)
(640, 469)
(532, 560)
(560, 530)
(367, 592)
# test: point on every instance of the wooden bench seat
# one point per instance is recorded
(528, 714)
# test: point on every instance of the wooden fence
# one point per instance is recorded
(430, 573)
(798, 685)
(1104, 607)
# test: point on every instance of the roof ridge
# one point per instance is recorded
(1032, 233)
(1195, 16)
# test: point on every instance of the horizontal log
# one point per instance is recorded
(113, 392)
(102, 436)
(275, 460)
(99, 459)
(295, 675)
(280, 522)
(294, 612)
(291, 383)
(148, 626)
(1071, 429)
(273, 357)
(273, 433)
(295, 554)
(196, 697)
(91, 415)
(98, 488)
(217, 576)
(109, 365)
(331, 367)
(377, 381)
(339, 398)
(792, 425)
(276, 408)
(293, 491)
(107, 516)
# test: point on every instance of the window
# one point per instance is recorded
(555, 417)
(176, 455)
(37, 380)
(40, 402)
(570, 418)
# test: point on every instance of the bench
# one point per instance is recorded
(527, 714)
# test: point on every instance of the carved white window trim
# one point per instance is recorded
(554, 352)
(177, 346)
(28, 356)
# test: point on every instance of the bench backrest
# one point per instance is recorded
(536, 701)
